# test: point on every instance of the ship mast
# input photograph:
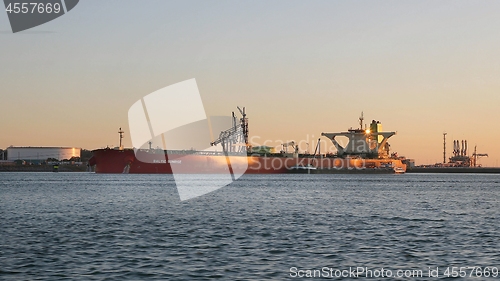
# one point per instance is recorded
(120, 131)
(361, 118)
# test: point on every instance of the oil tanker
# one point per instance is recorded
(366, 151)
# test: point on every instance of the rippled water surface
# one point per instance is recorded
(84, 226)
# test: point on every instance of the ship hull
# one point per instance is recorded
(158, 162)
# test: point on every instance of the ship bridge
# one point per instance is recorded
(366, 143)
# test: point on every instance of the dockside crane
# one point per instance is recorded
(476, 155)
(233, 138)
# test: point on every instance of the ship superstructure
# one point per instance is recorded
(366, 143)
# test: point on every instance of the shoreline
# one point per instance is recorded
(44, 168)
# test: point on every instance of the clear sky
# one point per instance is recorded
(299, 67)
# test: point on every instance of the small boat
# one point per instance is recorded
(399, 170)
(302, 169)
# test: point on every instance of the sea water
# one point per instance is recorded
(85, 226)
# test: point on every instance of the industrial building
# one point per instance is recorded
(41, 154)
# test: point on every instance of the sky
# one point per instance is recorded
(300, 68)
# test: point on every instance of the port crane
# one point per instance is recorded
(476, 155)
(234, 136)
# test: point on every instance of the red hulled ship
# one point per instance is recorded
(367, 151)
